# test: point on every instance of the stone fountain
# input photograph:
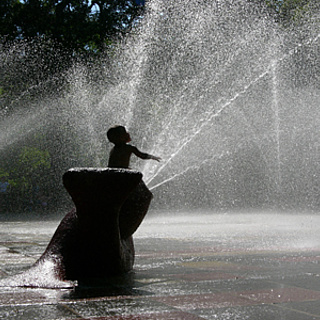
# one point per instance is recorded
(95, 239)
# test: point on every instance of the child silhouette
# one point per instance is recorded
(121, 152)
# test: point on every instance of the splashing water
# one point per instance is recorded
(226, 97)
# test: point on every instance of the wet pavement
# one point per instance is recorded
(223, 266)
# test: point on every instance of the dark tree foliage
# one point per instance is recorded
(75, 24)
(8, 17)
(91, 25)
(287, 12)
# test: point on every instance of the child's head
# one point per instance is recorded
(118, 134)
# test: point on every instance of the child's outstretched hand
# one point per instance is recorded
(155, 158)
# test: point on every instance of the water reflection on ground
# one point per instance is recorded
(188, 266)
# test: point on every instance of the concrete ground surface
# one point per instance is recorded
(188, 266)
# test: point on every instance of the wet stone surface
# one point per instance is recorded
(208, 268)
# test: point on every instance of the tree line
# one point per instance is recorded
(75, 24)
(90, 25)
(291, 11)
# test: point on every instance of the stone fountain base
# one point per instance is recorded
(95, 239)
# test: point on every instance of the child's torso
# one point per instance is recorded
(120, 156)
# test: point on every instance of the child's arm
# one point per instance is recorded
(143, 155)
(154, 158)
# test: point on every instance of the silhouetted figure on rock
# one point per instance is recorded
(131, 214)
(94, 240)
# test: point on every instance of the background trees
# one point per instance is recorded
(291, 11)
(75, 24)
(90, 25)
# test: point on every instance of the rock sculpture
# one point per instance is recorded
(95, 239)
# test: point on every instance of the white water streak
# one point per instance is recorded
(228, 103)
(209, 119)
(196, 166)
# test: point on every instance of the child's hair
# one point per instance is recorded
(114, 134)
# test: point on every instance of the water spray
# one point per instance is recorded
(269, 69)
(194, 167)
(209, 119)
